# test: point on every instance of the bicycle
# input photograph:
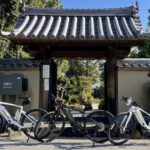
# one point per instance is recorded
(93, 126)
(124, 124)
(24, 121)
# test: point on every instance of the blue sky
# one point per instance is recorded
(144, 5)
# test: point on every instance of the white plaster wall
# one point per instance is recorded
(33, 77)
(136, 84)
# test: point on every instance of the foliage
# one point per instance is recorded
(36, 3)
(8, 15)
(54, 4)
(141, 51)
(63, 68)
(79, 76)
(99, 91)
(134, 52)
(144, 51)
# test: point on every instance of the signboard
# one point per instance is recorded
(46, 71)
(46, 84)
(10, 85)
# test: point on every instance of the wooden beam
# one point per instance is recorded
(53, 85)
(90, 52)
(110, 85)
(44, 93)
(129, 42)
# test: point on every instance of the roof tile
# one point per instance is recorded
(78, 24)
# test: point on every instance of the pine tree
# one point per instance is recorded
(79, 76)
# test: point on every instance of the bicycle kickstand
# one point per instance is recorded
(95, 137)
(29, 135)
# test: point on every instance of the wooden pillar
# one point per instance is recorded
(110, 85)
(44, 84)
(53, 84)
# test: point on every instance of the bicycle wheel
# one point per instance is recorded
(97, 124)
(1, 124)
(49, 127)
(117, 134)
(30, 119)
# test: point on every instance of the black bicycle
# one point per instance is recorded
(93, 126)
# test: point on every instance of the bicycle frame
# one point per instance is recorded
(140, 118)
(138, 115)
(15, 121)
(66, 111)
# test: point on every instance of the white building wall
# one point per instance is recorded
(33, 76)
(134, 83)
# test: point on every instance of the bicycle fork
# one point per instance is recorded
(124, 123)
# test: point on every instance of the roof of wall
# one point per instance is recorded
(32, 63)
(19, 63)
(134, 63)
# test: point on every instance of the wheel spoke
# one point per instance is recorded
(116, 133)
(54, 125)
(97, 125)
(30, 119)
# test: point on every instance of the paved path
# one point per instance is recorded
(70, 144)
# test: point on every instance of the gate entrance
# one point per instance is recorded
(78, 33)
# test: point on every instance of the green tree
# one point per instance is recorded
(134, 52)
(142, 51)
(99, 90)
(8, 15)
(54, 3)
(79, 76)
(36, 3)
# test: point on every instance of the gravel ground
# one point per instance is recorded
(7, 143)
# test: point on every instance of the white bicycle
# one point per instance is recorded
(21, 121)
(124, 124)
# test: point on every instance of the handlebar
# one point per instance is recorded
(62, 90)
(58, 100)
(129, 101)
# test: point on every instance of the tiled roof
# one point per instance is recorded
(31, 63)
(77, 24)
(19, 63)
(134, 63)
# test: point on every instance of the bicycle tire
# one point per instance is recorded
(97, 124)
(116, 134)
(49, 127)
(1, 124)
(37, 114)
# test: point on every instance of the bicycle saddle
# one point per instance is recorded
(25, 100)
